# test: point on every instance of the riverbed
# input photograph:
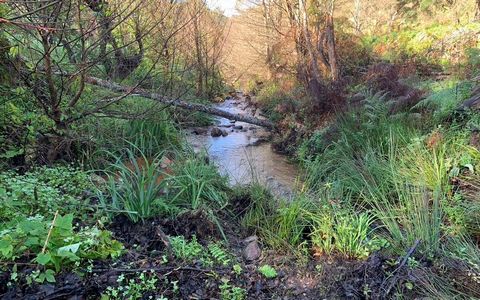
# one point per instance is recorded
(245, 154)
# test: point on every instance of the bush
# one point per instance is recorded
(54, 244)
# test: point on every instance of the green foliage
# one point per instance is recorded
(218, 253)
(186, 250)
(260, 205)
(155, 132)
(20, 122)
(54, 243)
(134, 187)
(196, 184)
(134, 288)
(230, 292)
(290, 221)
(386, 163)
(191, 250)
(343, 232)
(444, 98)
(268, 271)
(271, 96)
(152, 136)
(43, 191)
(359, 146)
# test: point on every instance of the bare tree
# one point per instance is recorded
(62, 42)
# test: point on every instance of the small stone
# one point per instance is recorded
(252, 251)
(238, 127)
(250, 239)
(216, 132)
(97, 180)
(199, 131)
(224, 133)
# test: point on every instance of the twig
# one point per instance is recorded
(49, 232)
(400, 266)
(165, 240)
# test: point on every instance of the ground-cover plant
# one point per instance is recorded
(258, 206)
(196, 184)
(231, 292)
(359, 145)
(268, 271)
(186, 250)
(290, 221)
(133, 288)
(150, 134)
(336, 230)
(54, 244)
(43, 191)
(191, 250)
(444, 98)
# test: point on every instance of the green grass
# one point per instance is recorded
(134, 188)
(196, 184)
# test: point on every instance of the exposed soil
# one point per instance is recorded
(323, 278)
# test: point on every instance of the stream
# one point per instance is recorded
(245, 154)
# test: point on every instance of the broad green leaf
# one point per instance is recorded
(73, 248)
(50, 275)
(6, 248)
(43, 258)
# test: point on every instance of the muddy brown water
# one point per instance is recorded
(244, 155)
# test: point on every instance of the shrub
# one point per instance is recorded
(54, 243)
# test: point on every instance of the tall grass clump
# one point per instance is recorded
(152, 136)
(335, 230)
(151, 133)
(281, 224)
(134, 185)
(196, 184)
(358, 148)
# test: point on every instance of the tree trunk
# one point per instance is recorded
(332, 53)
(477, 11)
(178, 103)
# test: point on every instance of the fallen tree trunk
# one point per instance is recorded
(178, 103)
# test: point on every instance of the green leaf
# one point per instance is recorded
(6, 248)
(64, 222)
(73, 248)
(50, 275)
(43, 258)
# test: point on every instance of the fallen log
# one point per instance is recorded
(178, 103)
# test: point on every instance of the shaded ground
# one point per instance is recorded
(147, 250)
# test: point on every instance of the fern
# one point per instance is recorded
(219, 254)
(268, 271)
